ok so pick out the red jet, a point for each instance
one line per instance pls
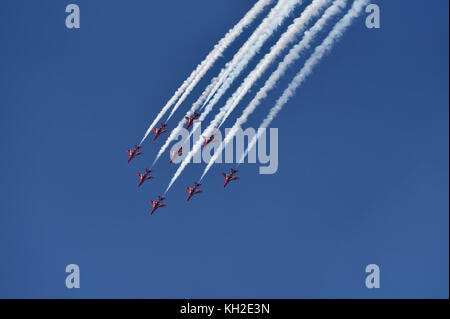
(230, 177)
(208, 140)
(159, 131)
(144, 176)
(191, 120)
(194, 190)
(176, 154)
(134, 152)
(157, 204)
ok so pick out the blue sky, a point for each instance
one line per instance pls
(363, 159)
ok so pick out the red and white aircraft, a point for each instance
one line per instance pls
(145, 176)
(159, 131)
(157, 204)
(208, 140)
(194, 190)
(176, 154)
(230, 177)
(134, 152)
(191, 120)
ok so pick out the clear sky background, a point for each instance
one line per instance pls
(363, 159)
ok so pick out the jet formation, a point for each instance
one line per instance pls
(134, 152)
(191, 120)
(144, 177)
(159, 131)
(208, 140)
(230, 177)
(174, 154)
(194, 190)
(157, 204)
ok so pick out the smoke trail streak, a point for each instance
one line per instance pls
(296, 28)
(265, 24)
(217, 51)
(234, 69)
(174, 133)
(199, 76)
(307, 69)
(286, 8)
(294, 54)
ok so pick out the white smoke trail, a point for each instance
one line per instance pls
(174, 133)
(234, 68)
(202, 72)
(296, 28)
(265, 24)
(217, 51)
(200, 75)
(281, 12)
(315, 58)
(294, 54)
